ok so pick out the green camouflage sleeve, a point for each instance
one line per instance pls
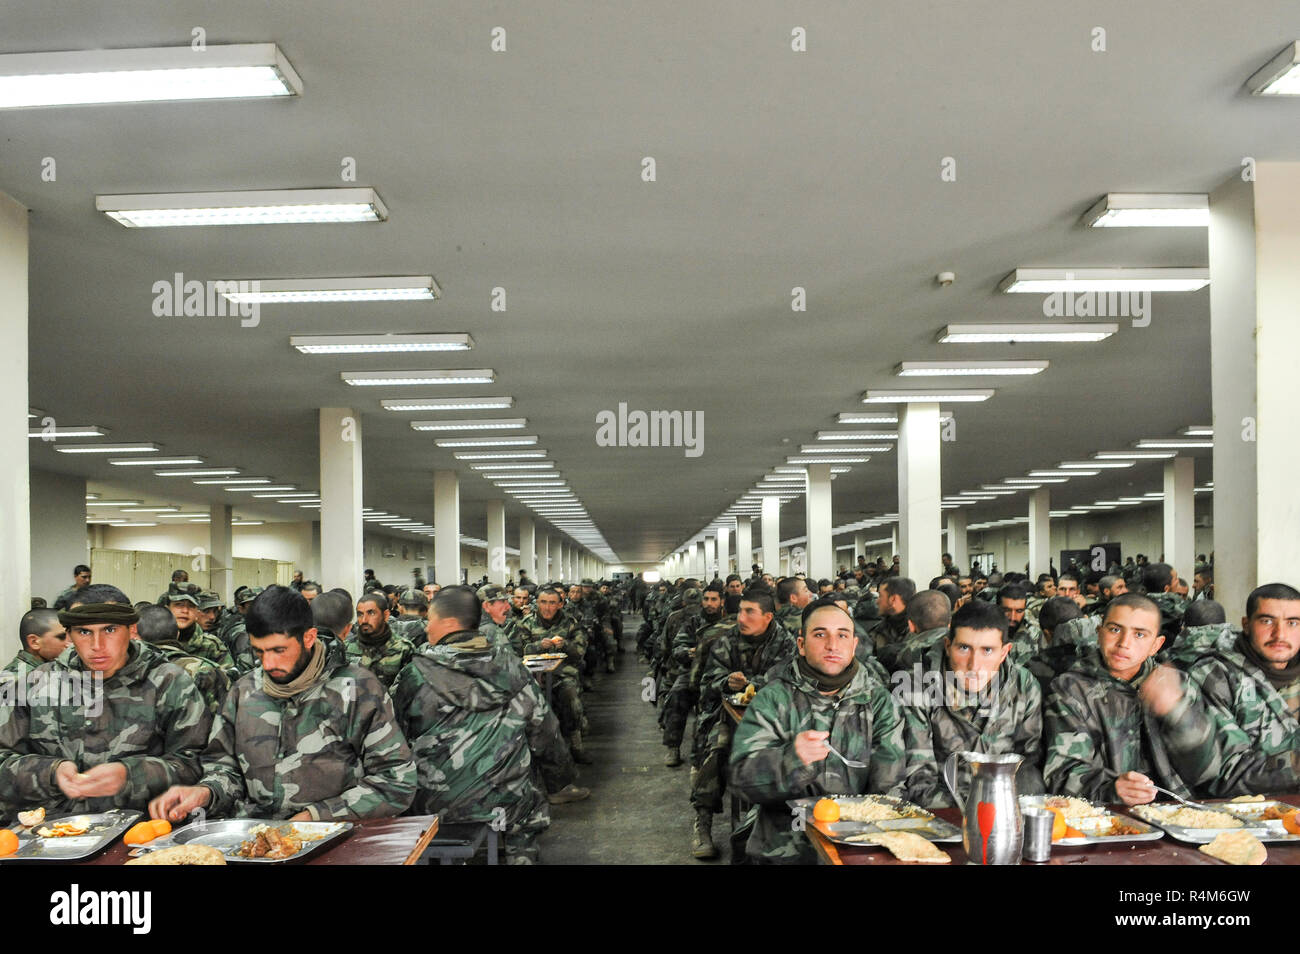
(549, 749)
(1074, 767)
(764, 766)
(221, 772)
(888, 772)
(1028, 737)
(183, 718)
(717, 668)
(923, 782)
(683, 643)
(575, 645)
(387, 785)
(26, 778)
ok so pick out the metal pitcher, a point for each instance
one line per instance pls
(992, 829)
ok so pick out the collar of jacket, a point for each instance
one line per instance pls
(138, 662)
(764, 635)
(858, 690)
(465, 640)
(375, 640)
(1091, 662)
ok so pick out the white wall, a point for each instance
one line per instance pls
(59, 541)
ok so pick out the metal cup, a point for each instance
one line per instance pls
(1038, 834)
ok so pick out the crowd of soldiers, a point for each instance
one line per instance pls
(411, 700)
(1106, 683)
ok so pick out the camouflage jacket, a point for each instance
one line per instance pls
(149, 717)
(507, 634)
(210, 679)
(705, 637)
(241, 651)
(887, 631)
(1096, 728)
(685, 644)
(385, 657)
(790, 618)
(662, 645)
(1069, 640)
(732, 652)
(1007, 718)
(1172, 607)
(414, 629)
(61, 601)
(909, 652)
(334, 750)
(25, 661)
(1026, 641)
(206, 646)
(864, 724)
(482, 734)
(533, 629)
(1197, 641)
(230, 621)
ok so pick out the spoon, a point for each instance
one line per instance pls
(849, 762)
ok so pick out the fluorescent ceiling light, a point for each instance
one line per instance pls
(1026, 334)
(532, 483)
(237, 490)
(1035, 480)
(1280, 76)
(268, 207)
(237, 480)
(995, 493)
(447, 404)
(1135, 455)
(310, 506)
(516, 475)
(880, 396)
(92, 496)
(1154, 495)
(115, 503)
(843, 449)
(489, 441)
(125, 523)
(857, 435)
(246, 523)
(1064, 473)
(205, 472)
(190, 515)
(267, 291)
(82, 77)
(141, 448)
(503, 455)
(508, 466)
(852, 417)
(797, 478)
(1094, 464)
(827, 460)
(156, 461)
(1175, 443)
(1149, 209)
(379, 344)
(150, 509)
(1039, 281)
(382, 378)
(305, 495)
(1203, 430)
(486, 424)
(917, 369)
(78, 430)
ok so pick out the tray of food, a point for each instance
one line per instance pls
(858, 819)
(743, 698)
(1281, 820)
(68, 837)
(1080, 823)
(1196, 826)
(253, 840)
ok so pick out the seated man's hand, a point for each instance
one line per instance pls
(1162, 690)
(737, 681)
(179, 802)
(68, 779)
(811, 746)
(1134, 788)
(103, 781)
(303, 816)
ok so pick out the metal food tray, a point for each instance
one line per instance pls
(226, 836)
(1203, 836)
(1249, 812)
(920, 822)
(1147, 831)
(103, 829)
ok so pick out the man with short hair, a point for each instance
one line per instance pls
(1068, 586)
(309, 737)
(157, 628)
(209, 607)
(1106, 739)
(1026, 636)
(819, 698)
(179, 581)
(968, 695)
(521, 599)
(80, 580)
(297, 582)
(375, 645)
(139, 729)
(482, 734)
(497, 624)
(548, 630)
(1160, 580)
(43, 638)
(891, 629)
(412, 616)
(928, 617)
(1053, 656)
(792, 595)
(184, 607)
(679, 699)
(735, 585)
(309, 590)
(241, 650)
(1203, 584)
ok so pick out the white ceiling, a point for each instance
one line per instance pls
(522, 170)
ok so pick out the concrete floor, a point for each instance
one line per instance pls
(639, 812)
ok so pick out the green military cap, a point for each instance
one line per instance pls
(239, 590)
(587, 582)
(413, 597)
(491, 592)
(184, 594)
(691, 595)
(250, 593)
(208, 599)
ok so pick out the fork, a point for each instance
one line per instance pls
(1174, 795)
(849, 762)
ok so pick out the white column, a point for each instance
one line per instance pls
(710, 559)
(557, 558)
(893, 543)
(1180, 515)
(817, 506)
(859, 547)
(528, 547)
(1040, 533)
(724, 552)
(340, 498)
(15, 482)
(573, 564)
(59, 533)
(498, 571)
(744, 546)
(1254, 243)
(220, 562)
(770, 529)
(957, 540)
(543, 558)
(919, 527)
(446, 526)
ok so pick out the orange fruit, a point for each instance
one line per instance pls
(8, 842)
(1058, 823)
(1290, 821)
(144, 831)
(161, 826)
(827, 810)
(1073, 833)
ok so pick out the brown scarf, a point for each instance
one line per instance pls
(303, 681)
(1277, 678)
(824, 682)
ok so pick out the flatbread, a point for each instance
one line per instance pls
(909, 846)
(1237, 848)
(181, 855)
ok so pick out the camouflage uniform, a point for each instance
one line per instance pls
(1197, 641)
(150, 718)
(1069, 640)
(1007, 718)
(481, 732)
(888, 631)
(864, 724)
(566, 685)
(1027, 641)
(414, 629)
(904, 655)
(241, 650)
(206, 646)
(680, 697)
(1096, 728)
(25, 660)
(334, 750)
(791, 618)
(384, 654)
(506, 634)
(1172, 608)
(210, 679)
